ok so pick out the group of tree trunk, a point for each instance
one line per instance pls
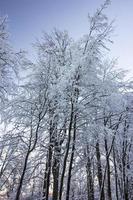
(66, 127)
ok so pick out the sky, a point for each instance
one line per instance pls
(28, 18)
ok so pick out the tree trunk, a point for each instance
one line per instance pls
(116, 175)
(47, 174)
(66, 154)
(124, 162)
(30, 149)
(99, 171)
(71, 159)
(55, 170)
(90, 185)
(108, 172)
(22, 177)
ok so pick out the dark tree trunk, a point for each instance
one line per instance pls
(99, 171)
(31, 147)
(45, 178)
(47, 174)
(90, 185)
(55, 170)
(22, 177)
(108, 172)
(116, 174)
(66, 154)
(124, 162)
(71, 159)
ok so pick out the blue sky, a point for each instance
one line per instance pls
(28, 18)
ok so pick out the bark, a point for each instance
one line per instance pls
(66, 154)
(90, 185)
(31, 147)
(116, 174)
(47, 174)
(71, 160)
(55, 170)
(108, 172)
(124, 162)
(99, 171)
(22, 177)
(124, 158)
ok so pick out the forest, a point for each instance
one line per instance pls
(66, 118)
